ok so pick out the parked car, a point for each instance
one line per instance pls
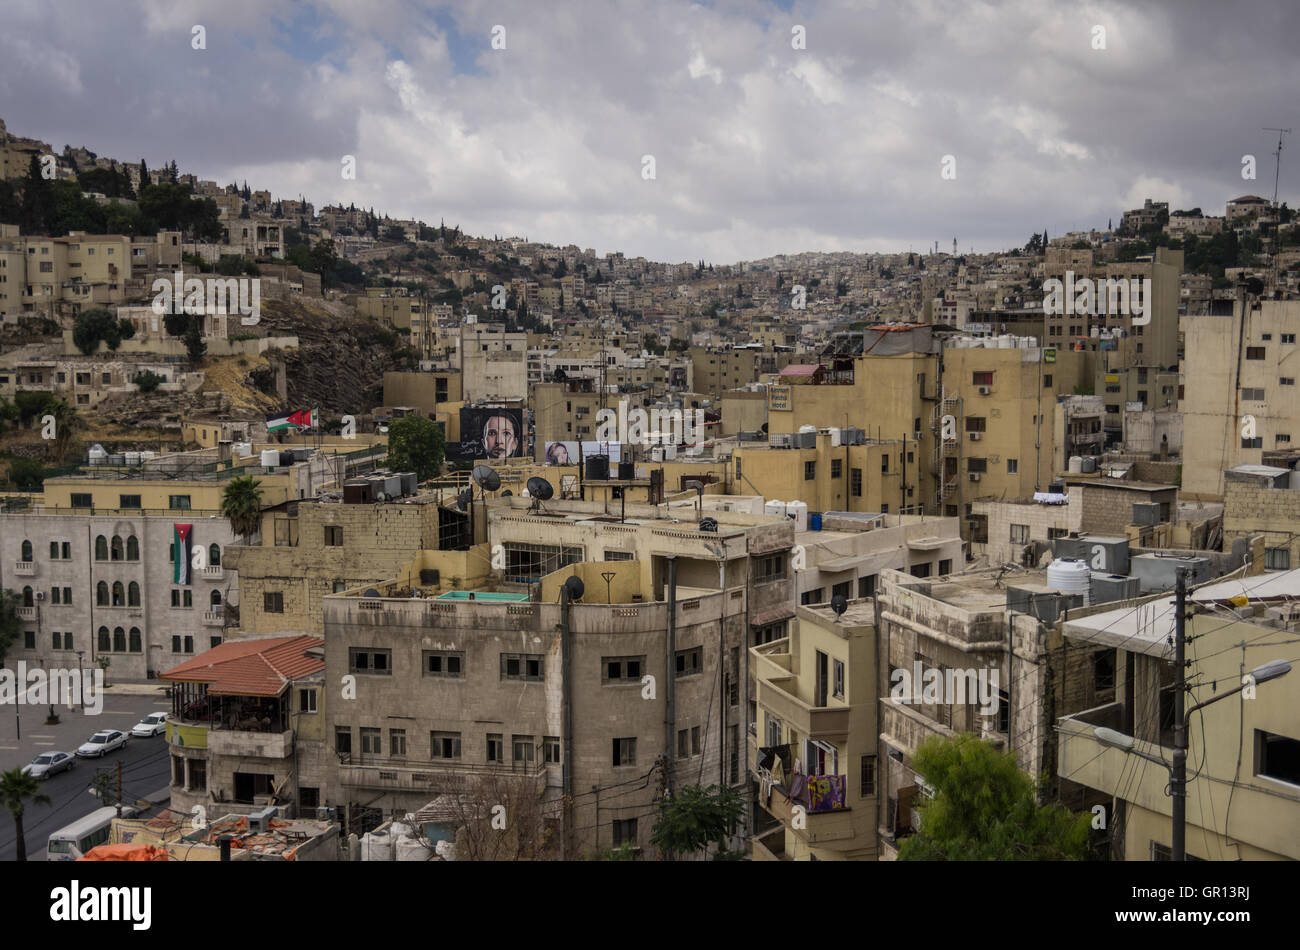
(49, 763)
(102, 742)
(154, 724)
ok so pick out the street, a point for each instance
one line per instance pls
(144, 762)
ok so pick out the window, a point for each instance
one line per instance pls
(333, 536)
(1004, 712)
(128, 501)
(843, 589)
(945, 566)
(306, 700)
(133, 548)
(495, 748)
(397, 743)
(1283, 437)
(1013, 466)
(817, 596)
(621, 669)
(837, 468)
(214, 555)
(769, 568)
(1047, 381)
(884, 463)
(809, 471)
(523, 750)
(625, 751)
(179, 502)
(867, 777)
(442, 745)
(101, 548)
(551, 749)
(444, 663)
(29, 639)
(1254, 352)
(688, 661)
(1020, 534)
(119, 640)
(1277, 757)
(133, 594)
(1103, 670)
(119, 594)
(867, 586)
(58, 640)
(137, 645)
(1255, 443)
(1288, 338)
(855, 482)
(624, 831)
(976, 424)
(272, 603)
(522, 666)
(181, 598)
(214, 599)
(688, 742)
(769, 632)
(619, 556)
(104, 643)
(343, 740)
(920, 570)
(1286, 381)
(1277, 559)
(367, 660)
(1252, 395)
(837, 679)
(214, 642)
(27, 553)
(372, 741)
(977, 465)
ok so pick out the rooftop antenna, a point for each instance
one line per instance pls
(1277, 165)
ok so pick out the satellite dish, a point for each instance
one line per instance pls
(465, 499)
(695, 485)
(507, 493)
(839, 604)
(370, 592)
(709, 524)
(575, 587)
(486, 477)
(540, 489)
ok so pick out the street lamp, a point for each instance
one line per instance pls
(81, 681)
(1113, 739)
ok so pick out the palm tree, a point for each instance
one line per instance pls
(241, 502)
(15, 789)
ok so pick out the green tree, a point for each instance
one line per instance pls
(26, 475)
(195, 348)
(241, 504)
(984, 809)
(324, 259)
(10, 625)
(415, 444)
(94, 325)
(148, 381)
(696, 817)
(16, 789)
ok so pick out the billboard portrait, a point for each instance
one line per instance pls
(568, 453)
(489, 434)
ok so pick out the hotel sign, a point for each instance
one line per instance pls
(778, 399)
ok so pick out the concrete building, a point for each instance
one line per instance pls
(1263, 500)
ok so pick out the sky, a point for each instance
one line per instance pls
(758, 147)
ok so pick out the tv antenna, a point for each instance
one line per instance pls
(1277, 165)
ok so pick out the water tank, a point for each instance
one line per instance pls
(242, 449)
(597, 468)
(132, 458)
(287, 459)
(1089, 464)
(393, 486)
(411, 849)
(147, 456)
(670, 452)
(1076, 464)
(270, 458)
(117, 461)
(97, 454)
(410, 483)
(377, 846)
(798, 510)
(1070, 576)
(815, 521)
(812, 429)
(626, 471)
(774, 509)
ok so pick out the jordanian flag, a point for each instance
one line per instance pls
(181, 563)
(303, 419)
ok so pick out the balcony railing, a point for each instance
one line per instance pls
(26, 613)
(213, 572)
(437, 775)
(25, 568)
(214, 618)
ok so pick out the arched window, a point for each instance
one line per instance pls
(215, 598)
(101, 594)
(104, 643)
(27, 551)
(214, 555)
(132, 548)
(27, 597)
(133, 594)
(101, 548)
(119, 595)
(117, 548)
(119, 640)
(135, 640)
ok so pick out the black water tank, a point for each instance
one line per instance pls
(597, 468)
(626, 471)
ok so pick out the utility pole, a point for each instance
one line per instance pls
(1178, 775)
(1277, 165)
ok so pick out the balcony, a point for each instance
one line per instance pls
(263, 745)
(25, 568)
(214, 618)
(819, 827)
(828, 723)
(435, 777)
(26, 613)
(770, 845)
(213, 572)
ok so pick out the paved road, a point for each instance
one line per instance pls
(145, 767)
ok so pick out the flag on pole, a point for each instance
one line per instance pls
(181, 557)
(302, 419)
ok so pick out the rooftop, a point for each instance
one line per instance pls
(262, 667)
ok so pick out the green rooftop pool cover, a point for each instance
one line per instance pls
(487, 597)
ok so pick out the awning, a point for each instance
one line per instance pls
(775, 615)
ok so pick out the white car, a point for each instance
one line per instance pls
(49, 763)
(154, 724)
(102, 742)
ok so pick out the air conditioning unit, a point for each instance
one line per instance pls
(324, 813)
(40, 596)
(975, 476)
(975, 436)
(985, 390)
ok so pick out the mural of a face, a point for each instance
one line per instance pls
(558, 454)
(499, 437)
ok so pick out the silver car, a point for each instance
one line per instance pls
(153, 724)
(49, 763)
(102, 742)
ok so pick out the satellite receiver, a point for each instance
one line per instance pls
(575, 587)
(370, 592)
(507, 493)
(839, 604)
(540, 489)
(486, 477)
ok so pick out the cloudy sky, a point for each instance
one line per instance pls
(758, 148)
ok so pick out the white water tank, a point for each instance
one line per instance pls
(147, 456)
(377, 846)
(97, 454)
(798, 510)
(1070, 576)
(774, 509)
(242, 449)
(408, 848)
(1076, 464)
(132, 458)
(270, 458)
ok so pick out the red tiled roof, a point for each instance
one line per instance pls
(801, 369)
(251, 667)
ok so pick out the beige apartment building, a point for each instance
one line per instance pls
(47, 276)
(1238, 395)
